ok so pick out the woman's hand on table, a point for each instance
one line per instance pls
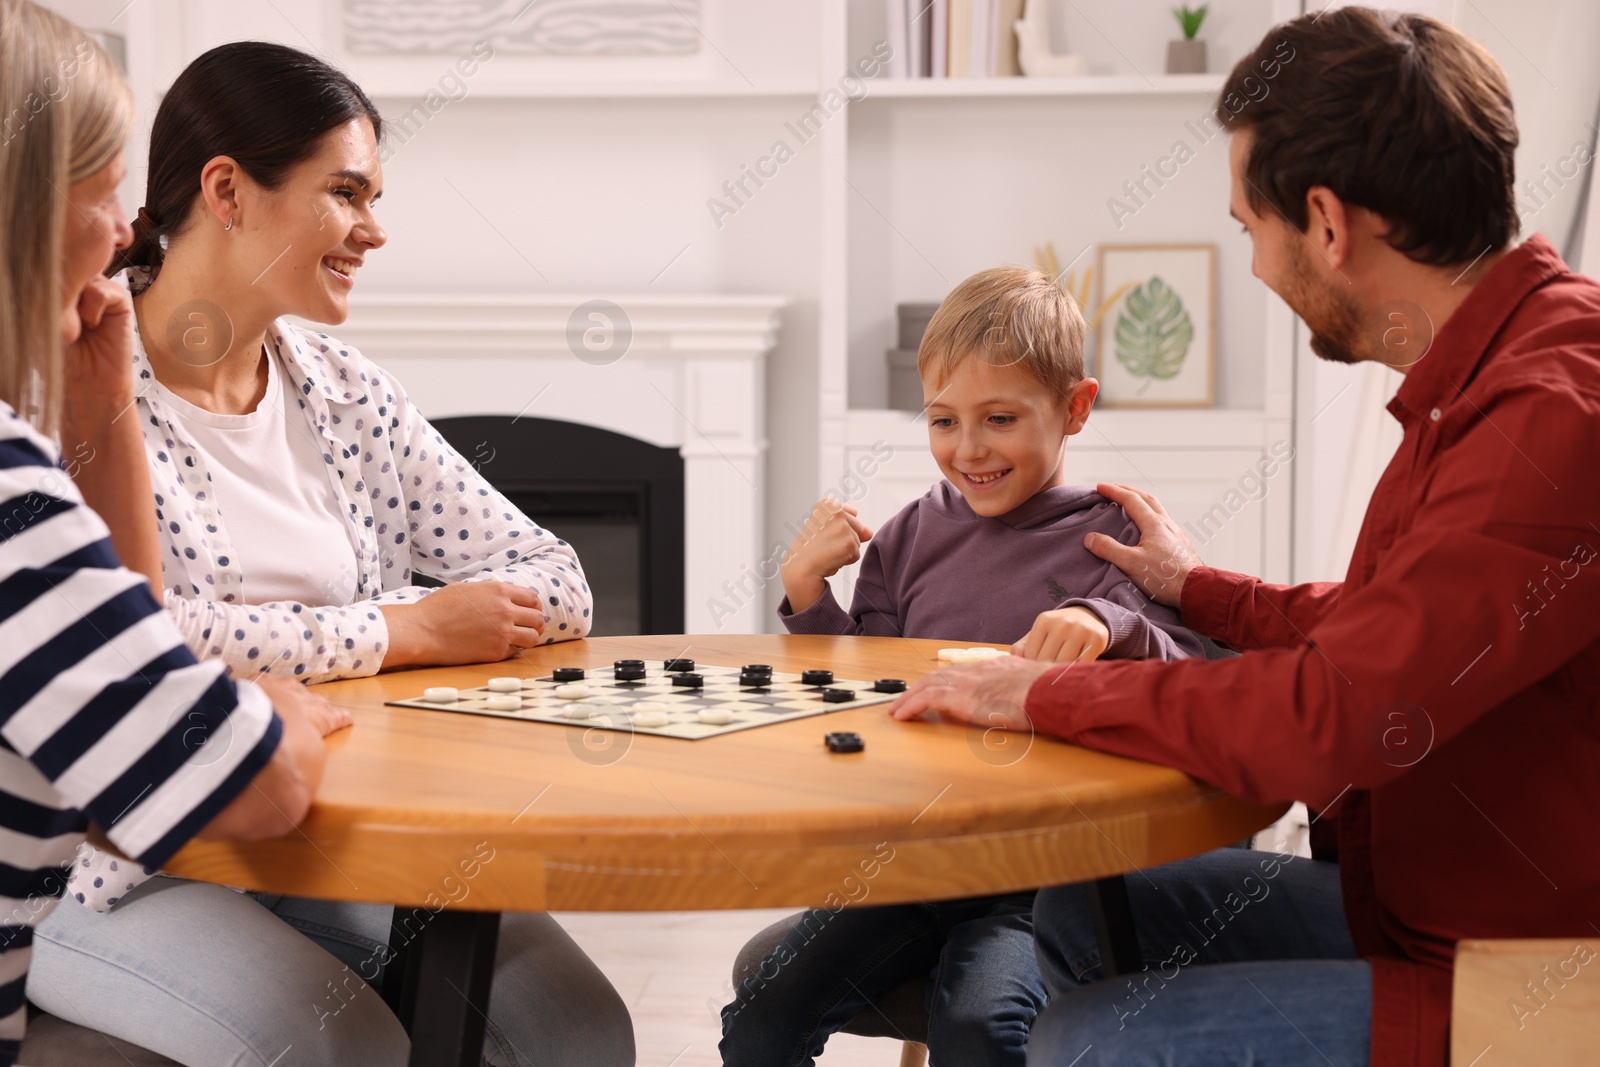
(1160, 563)
(990, 692)
(291, 699)
(464, 622)
(281, 794)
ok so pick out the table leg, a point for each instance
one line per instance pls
(1114, 926)
(444, 998)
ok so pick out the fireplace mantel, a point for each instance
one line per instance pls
(664, 326)
(693, 377)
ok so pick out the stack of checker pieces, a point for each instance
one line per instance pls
(675, 699)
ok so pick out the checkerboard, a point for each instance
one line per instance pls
(608, 704)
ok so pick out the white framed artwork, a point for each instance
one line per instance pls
(1155, 344)
(522, 27)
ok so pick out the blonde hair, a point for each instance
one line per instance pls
(65, 111)
(1007, 316)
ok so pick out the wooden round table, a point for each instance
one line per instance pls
(456, 817)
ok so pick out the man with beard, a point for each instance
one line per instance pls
(1438, 707)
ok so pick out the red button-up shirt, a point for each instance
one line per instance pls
(1444, 698)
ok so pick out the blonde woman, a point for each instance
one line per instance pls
(93, 676)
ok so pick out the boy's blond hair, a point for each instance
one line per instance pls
(1007, 316)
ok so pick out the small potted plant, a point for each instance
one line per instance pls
(1188, 56)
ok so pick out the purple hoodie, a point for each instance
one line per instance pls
(939, 569)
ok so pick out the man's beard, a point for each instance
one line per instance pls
(1327, 310)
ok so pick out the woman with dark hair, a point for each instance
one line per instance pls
(297, 489)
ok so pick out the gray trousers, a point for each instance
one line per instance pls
(213, 978)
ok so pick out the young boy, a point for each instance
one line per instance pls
(994, 553)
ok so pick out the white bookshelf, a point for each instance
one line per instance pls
(1088, 85)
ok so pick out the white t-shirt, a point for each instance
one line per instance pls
(270, 481)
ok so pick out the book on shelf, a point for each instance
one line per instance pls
(953, 38)
(959, 63)
(1003, 51)
(899, 41)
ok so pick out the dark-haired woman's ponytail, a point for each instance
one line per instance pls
(144, 250)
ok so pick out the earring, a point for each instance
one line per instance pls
(229, 226)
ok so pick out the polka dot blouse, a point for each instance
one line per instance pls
(413, 503)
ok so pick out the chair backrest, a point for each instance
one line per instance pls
(1535, 1003)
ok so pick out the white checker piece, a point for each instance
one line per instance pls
(609, 703)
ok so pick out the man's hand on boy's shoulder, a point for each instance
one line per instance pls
(831, 539)
(1160, 563)
(1065, 635)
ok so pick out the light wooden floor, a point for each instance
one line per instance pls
(673, 969)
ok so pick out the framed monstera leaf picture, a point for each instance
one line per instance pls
(1155, 342)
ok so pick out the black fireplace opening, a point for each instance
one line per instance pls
(617, 500)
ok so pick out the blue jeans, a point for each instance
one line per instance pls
(984, 985)
(1248, 961)
(207, 976)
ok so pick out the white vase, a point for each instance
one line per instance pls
(1033, 46)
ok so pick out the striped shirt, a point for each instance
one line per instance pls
(104, 713)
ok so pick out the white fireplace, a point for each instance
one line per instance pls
(692, 377)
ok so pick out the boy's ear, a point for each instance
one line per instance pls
(1079, 402)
